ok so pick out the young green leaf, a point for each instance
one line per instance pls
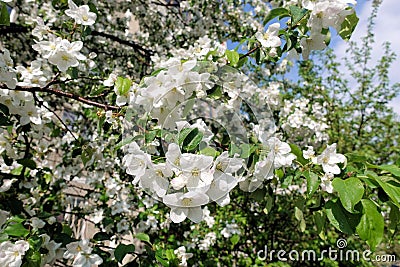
(312, 182)
(123, 85)
(232, 56)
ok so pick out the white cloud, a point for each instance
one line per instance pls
(386, 29)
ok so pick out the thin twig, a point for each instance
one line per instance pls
(56, 92)
(250, 52)
(62, 122)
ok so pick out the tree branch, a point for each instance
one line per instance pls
(250, 52)
(124, 42)
(47, 89)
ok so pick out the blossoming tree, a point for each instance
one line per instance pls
(132, 135)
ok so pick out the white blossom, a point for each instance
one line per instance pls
(80, 14)
(329, 159)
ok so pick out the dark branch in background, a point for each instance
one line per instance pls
(124, 42)
(56, 92)
(13, 28)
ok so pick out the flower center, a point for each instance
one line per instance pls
(195, 172)
(187, 201)
(65, 57)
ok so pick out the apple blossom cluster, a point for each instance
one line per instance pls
(56, 50)
(305, 120)
(7, 72)
(183, 256)
(230, 229)
(329, 160)
(11, 254)
(324, 14)
(23, 104)
(270, 39)
(80, 14)
(60, 52)
(202, 178)
(80, 253)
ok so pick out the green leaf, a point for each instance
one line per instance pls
(391, 188)
(287, 180)
(350, 192)
(232, 56)
(169, 253)
(97, 90)
(87, 154)
(371, 225)
(348, 26)
(35, 242)
(312, 182)
(246, 150)
(160, 258)
(183, 134)
(393, 169)
(16, 229)
(394, 218)
(3, 237)
(73, 72)
(123, 85)
(259, 194)
(149, 136)
(93, 8)
(354, 157)
(194, 142)
(268, 204)
(319, 219)
(124, 142)
(234, 239)
(209, 151)
(33, 258)
(121, 250)
(340, 218)
(100, 236)
(4, 109)
(297, 13)
(143, 237)
(154, 73)
(298, 213)
(241, 62)
(298, 153)
(277, 12)
(4, 16)
(27, 163)
(4, 121)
